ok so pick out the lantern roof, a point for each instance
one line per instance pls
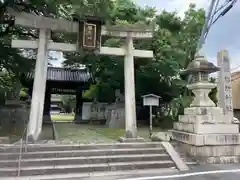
(200, 64)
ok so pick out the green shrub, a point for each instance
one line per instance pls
(23, 95)
(164, 122)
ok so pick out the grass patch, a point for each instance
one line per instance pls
(80, 133)
(96, 133)
(62, 117)
(115, 133)
(111, 133)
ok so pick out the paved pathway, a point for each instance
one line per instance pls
(47, 132)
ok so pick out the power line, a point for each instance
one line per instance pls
(213, 10)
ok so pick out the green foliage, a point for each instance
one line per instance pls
(15, 61)
(67, 101)
(213, 93)
(159, 76)
(9, 85)
(23, 95)
(165, 122)
(174, 44)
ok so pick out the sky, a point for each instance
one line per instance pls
(223, 35)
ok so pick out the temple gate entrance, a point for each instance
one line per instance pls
(62, 81)
(88, 32)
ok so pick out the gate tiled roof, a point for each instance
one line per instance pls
(66, 74)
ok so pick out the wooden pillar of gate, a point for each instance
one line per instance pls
(47, 107)
(79, 105)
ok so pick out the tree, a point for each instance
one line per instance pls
(160, 76)
(13, 62)
(67, 102)
(174, 44)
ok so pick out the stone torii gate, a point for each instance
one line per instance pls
(89, 37)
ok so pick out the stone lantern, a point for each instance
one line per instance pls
(200, 69)
(204, 131)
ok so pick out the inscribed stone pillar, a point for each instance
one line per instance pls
(79, 104)
(224, 84)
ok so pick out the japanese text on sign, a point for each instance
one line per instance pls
(89, 36)
(224, 83)
(227, 85)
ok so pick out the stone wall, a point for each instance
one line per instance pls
(103, 111)
(114, 114)
(98, 111)
(86, 111)
(13, 120)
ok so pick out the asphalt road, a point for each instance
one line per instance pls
(199, 172)
(196, 173)
(193, 172)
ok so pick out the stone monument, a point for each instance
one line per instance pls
(224, 83)
(116, 115)
(204, 131)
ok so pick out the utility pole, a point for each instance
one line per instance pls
(206, 25)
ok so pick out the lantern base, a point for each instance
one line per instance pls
(215, 149)
(208, 135)
(201, 91)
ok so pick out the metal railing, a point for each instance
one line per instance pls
(21, 149)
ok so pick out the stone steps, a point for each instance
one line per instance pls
(76, 153)
(85, 160)
(110, 175)
(78, 168)
(72, 159)
(54, 147)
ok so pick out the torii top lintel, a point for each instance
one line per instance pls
(60, 25)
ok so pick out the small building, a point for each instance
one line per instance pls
(235, 78)
(62, 81)
(56, 103)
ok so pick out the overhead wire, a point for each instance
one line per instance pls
(213, 10)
